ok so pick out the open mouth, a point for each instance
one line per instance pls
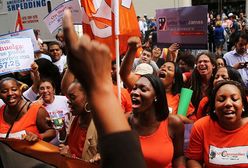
(135, 103)
(144, 61)
(11, 100)
(162, 74)
(229, 114)
(203, 68)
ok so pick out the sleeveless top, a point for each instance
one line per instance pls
(158, 147)
(76, 138)
(27, 122)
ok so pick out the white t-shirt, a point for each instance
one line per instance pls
(61, 63)
(58, 108)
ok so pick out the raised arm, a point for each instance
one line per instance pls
(90, 62)
(126, 74)
(35, 75)
(173, 52)
(31, 93)
(67, 79)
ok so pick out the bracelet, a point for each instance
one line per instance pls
(62, 141)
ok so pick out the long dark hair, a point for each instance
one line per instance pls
(196, 82)
(178, 79)
(161, 106)
(233, 75)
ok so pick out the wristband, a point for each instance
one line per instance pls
(62, 141)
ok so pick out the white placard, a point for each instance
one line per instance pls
(16, 135)
(28, 33)
(16, 54)
(54, 19)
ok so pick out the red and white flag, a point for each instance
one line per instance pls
(99, 22)
(19, 24)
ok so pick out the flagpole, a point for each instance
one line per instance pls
(118, 67)
(117, 44)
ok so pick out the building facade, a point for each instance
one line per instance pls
(149, 7)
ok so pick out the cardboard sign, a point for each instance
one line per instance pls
(28, 33)
(186, 26)
(16, 54)
(54, 19)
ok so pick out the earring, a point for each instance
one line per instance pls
(155, 99)
(87, 109)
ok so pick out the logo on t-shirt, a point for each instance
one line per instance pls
(212, 154)
(229, 155)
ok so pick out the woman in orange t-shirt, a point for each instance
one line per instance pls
(222, 73)
(161, 135)
(18, 115)
(221, 140)
(169, 73)
(171, 76)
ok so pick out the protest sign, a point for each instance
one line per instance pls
(16, 54)
(28, 33)
(186, 26)
(54, 19)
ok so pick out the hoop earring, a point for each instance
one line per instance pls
(87, 109)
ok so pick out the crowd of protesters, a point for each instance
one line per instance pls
(69, 99)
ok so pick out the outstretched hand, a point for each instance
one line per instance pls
(89, 60)
(174, 47)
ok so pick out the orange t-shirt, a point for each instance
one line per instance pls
(126, 101)
(27, 122)
(216, 146)
(76, 138)
(173, 102)
(203, 102)
(158, 147)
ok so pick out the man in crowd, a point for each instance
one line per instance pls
(145, 57)
(56, 54)
(238, 58)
